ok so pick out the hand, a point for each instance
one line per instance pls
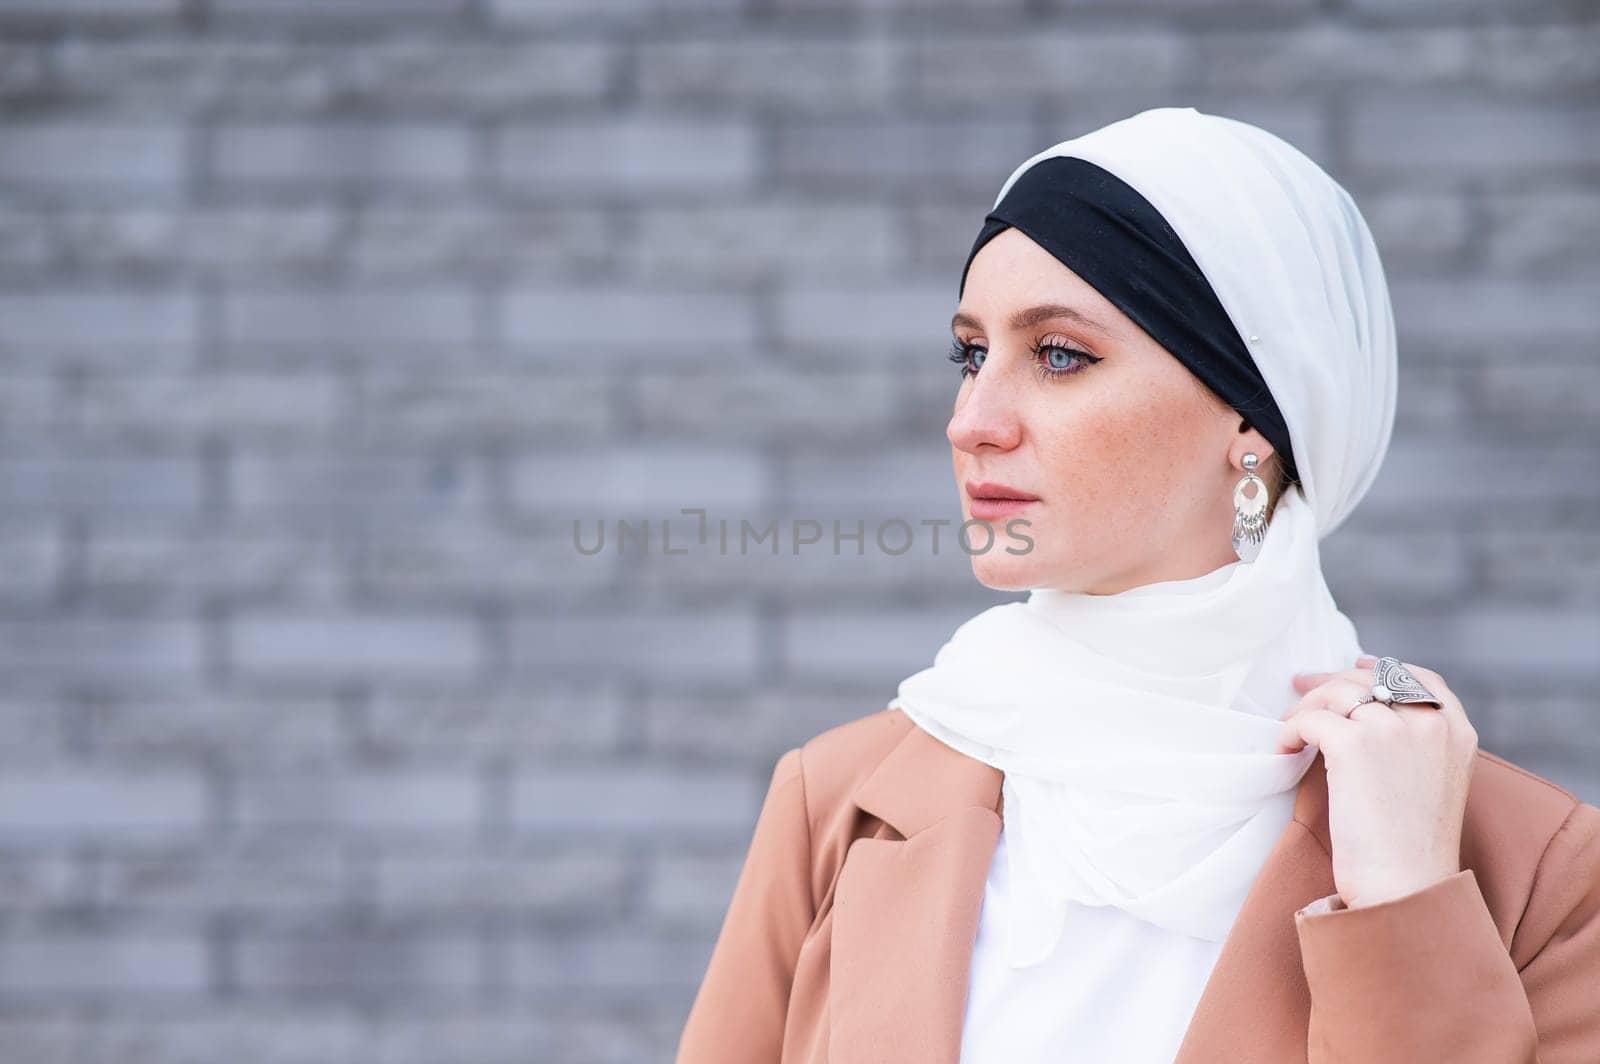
(1397, 779)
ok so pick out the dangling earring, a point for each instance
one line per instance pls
(1249, 514)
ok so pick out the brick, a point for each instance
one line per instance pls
(34, 557)
(294, 482)
(79, 9)
(1541, 564)
(260, 1033)
(31, 728)
(637, 481)
(883, 154)
(405, 75)
(47, 879)
(965, 69)
(881, 646)
(233, 727)
(783, 240)
(119, 325)
(910, 482)
(556, 887)
(348, 966)
(1420, 228)
(1429, 475)
(767, 70)
(341, 645)
(795, 555)
(82, 155)
(98, 650)
(485, 78)
(156, 560)
(488, 1034)
(729, 726)
(190, 407)
(831, 326)
(104, 963)
(468, 726)
(377, 318)
(228, 877)
(339, 153)
(29, 240)
(615, 14)
(429, 239)
(251, 239)
(1422, 138)
(611, 964)
(350, 11)
(544, 323)
(1569, 58)
(512, 406)
(721, 644)
(100, 800)
(1493, 639)
(692, 892)
(45, 1039)
(849, 9)
(413, 801)
(1372, 565)
(632, 798)
(102, 483)
(1554, 398)
(1323, 57)
(658, 153)
(1473, 317)
(431, 561)
(1550, 233)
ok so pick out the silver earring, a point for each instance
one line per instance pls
(1249, 514)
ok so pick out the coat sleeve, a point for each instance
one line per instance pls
(739, 1012)
(1425, 976)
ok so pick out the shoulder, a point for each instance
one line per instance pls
(837, 761)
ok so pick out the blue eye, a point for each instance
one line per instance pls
(968, 357)
(1053, 360)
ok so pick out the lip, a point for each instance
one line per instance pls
(990, 501)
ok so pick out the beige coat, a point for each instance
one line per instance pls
(849, 937)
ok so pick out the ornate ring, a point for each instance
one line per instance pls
(1393, 683)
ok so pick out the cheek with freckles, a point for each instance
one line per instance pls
(1120, 458)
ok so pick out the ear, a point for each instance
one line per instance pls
(1251, 441)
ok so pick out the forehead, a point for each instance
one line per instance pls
(1013, 283)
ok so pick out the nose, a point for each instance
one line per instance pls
(987, 412)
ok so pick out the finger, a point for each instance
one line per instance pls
(1312, 727)
(1305, 681)
(1337, 695)
(1372, 711)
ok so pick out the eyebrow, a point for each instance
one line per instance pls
(1034, 315)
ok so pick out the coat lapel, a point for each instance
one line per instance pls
(906, 911)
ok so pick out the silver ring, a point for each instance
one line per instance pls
(1393, 683)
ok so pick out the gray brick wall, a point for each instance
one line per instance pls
(319, 742)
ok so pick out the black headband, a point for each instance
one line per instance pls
(1111, 236)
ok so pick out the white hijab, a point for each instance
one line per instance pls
(1136, 731)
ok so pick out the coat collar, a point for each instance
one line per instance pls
(906, 916)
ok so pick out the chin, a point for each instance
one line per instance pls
(1007, 572)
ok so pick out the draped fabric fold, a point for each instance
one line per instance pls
(1137, 731)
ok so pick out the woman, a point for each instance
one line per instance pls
(1165, 808)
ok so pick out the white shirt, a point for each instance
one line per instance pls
(1115, 988)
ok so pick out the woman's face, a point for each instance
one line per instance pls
(1132, 459)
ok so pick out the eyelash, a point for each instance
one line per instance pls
(961, 355)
